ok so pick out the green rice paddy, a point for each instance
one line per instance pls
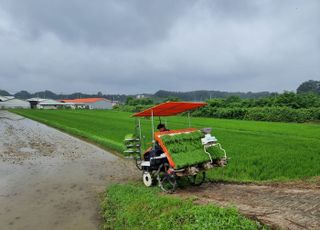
(259, 151)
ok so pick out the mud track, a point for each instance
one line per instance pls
(50, 180)
(284, 207)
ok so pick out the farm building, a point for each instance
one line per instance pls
(9, 102)
(40, 103)
(92, 103)
(34, 102)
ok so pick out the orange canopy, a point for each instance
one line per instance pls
(169, 109)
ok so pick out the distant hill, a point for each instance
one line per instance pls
(49, 94)
(4, 93)
(202, 95)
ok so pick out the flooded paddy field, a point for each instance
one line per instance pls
(50, 180)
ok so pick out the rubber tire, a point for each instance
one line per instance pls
(147, 179)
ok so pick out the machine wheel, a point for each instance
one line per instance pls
(197, 179)
(138, 163)
(166, 178)
(147, 179)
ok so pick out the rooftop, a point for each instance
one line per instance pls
(84, 100)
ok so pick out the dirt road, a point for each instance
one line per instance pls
(282, 206)
(50, 180)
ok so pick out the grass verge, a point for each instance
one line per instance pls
(136, 207)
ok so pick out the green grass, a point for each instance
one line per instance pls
(138, 207)
(259, 151)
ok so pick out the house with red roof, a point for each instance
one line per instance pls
(90, 103)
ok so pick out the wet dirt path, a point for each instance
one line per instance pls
(50, 180)
(285, 207)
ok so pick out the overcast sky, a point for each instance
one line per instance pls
(137, 46)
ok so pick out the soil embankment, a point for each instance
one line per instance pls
(284, 207)
(50, 180)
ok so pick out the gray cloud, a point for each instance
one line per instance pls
(106, 23)
(142, 46)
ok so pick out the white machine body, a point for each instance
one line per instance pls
(208, 140)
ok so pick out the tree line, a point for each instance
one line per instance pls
(286, 107)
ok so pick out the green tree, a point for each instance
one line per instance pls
(129, 100)
(309, 86)
(232, 99)
(287, 99)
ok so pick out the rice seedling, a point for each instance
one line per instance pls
(186, 149)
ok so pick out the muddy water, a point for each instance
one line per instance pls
(50, 180)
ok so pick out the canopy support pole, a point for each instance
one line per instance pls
(152, 124)
(140, 135)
